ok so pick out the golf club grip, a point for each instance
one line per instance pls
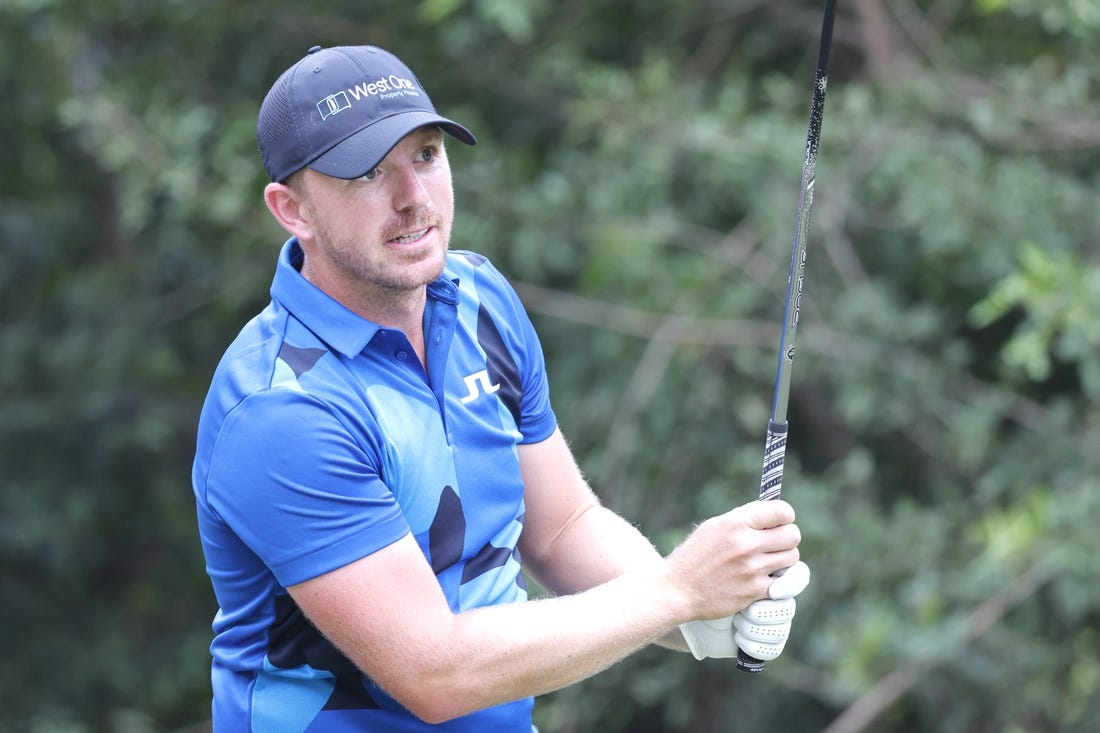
(771, 485)
(749, 664)
(775, 453)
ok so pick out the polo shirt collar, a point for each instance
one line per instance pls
(340, 328)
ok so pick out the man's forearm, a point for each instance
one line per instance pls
(599, 546)
(542, 645)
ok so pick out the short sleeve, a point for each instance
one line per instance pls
(537, 420)
(291, 480)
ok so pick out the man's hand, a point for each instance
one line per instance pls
(761, 629)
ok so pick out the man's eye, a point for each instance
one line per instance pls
(427, 154)
(370, 175)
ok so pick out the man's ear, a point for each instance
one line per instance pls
(288, 208)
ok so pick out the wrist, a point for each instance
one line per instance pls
(680, 602)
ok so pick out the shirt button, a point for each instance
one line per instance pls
(402, 355)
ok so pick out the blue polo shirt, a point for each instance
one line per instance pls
(322, 440)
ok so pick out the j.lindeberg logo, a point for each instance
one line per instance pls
(477, 384)
(384, 87)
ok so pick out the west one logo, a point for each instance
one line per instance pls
(384, 87)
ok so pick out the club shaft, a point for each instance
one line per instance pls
(796, 276)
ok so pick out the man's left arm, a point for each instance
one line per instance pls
(571, 542)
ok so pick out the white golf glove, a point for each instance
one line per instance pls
(761, 629)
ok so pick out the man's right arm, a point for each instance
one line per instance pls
(387, 613)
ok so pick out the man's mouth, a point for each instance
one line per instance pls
(411, 236)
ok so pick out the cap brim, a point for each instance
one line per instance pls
(365, 149)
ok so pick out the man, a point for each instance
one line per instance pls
(378, 462)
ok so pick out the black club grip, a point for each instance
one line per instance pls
(771, 484)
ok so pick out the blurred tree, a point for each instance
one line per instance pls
(636, 174)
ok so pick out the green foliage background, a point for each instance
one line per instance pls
(636, 176)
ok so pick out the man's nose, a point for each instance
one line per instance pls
(409, 190)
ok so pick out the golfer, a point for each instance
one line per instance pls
(379, 465)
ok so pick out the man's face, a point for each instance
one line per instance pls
(387, 232)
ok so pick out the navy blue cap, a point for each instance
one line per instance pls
(341, 110)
